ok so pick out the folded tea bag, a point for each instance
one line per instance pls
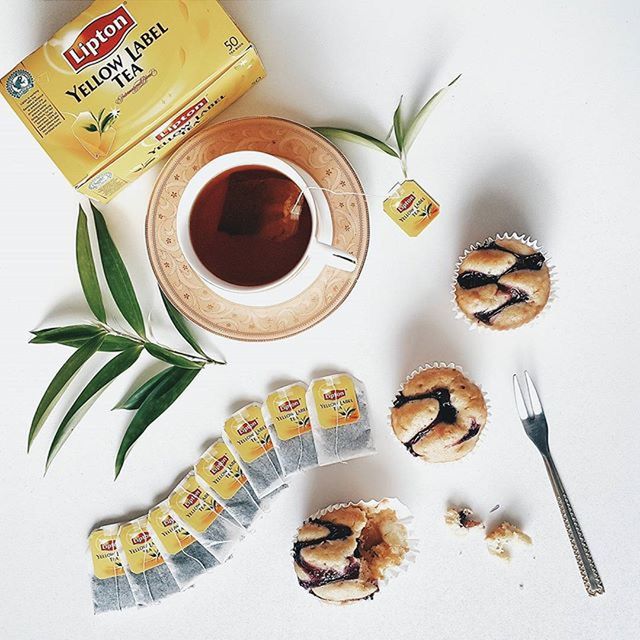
(185, 556)
(339, 418)
(247, 434)
(150, 578)
(287, 417)
(218, 471)
(204, 518)
(109, 585)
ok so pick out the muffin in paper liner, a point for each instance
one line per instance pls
(360, 579)
(532, 244)
(480, 437)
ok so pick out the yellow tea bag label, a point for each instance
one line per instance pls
(335, 401)
(106, 563)
(194, 505)
(220, 470)
(410, 207)
(173, 536)
(288, 410)
(139, 549)
(248, 433)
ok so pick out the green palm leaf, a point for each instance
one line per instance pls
(166, 355)
(183, 329)
(138, 396)
(75, 334)
(117, 365)
(59, 383)
(87, 268)
(154, 405)
(117, 276)
(358, 137)
(418, 122)
(397, 126)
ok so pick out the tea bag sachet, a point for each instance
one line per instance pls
(287, 417)
(218, 471)
(339, 418)
(207, 520)
(185, 556)
(110, 588)
(246, 432)
(150, 578)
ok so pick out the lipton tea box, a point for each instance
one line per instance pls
(121, 86)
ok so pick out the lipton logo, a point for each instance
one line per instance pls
(219, 464)
(248, 426)
(99, 39)
(141, 538)
(168, 521)
(181, 119)
(192, 498)
(288, 405)
(109, 545)
(406, 202)
(335, 394)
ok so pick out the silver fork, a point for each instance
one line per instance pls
(535, 426)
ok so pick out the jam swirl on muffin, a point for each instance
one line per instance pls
(502, 284)
(439, 414)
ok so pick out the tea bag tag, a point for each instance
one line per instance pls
(410, 207)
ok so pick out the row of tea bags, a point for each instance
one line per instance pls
(233, 482)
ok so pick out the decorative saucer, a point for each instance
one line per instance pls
(231, 316)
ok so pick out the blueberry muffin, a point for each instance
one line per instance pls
(341, 556)
(439, 414)
(502, 284)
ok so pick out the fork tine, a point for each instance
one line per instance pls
(536, 405)
(520, 403)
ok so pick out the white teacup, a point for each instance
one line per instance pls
(316, 252)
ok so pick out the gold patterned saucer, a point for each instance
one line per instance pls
(206, 307)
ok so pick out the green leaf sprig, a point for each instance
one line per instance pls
(154, 396)
(405, 134)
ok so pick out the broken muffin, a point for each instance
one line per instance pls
(342, 553)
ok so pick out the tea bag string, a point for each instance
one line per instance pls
(229, 474)
(263, 445)
(336, 449)
(175, 531)
(296, 209)
(298, 429)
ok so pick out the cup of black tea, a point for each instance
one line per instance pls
(247, 221)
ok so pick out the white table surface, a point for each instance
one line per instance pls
(540, 136)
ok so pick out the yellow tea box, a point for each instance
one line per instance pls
(121, 85)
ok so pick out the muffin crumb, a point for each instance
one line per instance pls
(499, 539)
(461, 519)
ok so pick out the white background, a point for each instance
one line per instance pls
(540, 136)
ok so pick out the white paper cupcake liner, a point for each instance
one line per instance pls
(530, 242)
(481, 436)
(404, 516)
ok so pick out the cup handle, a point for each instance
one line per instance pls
(334, 257)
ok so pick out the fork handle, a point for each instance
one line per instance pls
(590, 576)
